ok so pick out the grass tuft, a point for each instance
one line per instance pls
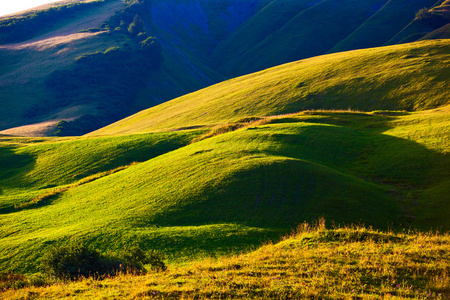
(229, 127)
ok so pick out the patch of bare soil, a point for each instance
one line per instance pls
(69, 32)
(46, 128)
(33, 130)
(44, 44)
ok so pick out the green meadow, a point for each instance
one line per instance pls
(229, 191)
(359, 137)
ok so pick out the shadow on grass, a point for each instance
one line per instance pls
(13, 166)
(350, 173)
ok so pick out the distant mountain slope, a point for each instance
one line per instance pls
(193, 44)
(307, 34)
(427, 21)
(441, 33)
(379, 28)
(403, 77)
(257, 28)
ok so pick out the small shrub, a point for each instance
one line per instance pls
(134, 258)
(432, 18)
(156, 260)
(423, 14)
(136, 27)
(39, 280)
(72, 262)
(12, 281)
(142, 36)
(91, 30)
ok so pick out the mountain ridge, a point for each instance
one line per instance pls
(284, 92)
(201, 45)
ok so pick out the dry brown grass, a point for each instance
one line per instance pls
(47, 128)
(313, 263)
(69, 32)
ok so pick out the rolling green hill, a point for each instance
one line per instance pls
(404, 77)
(231, 166)
(188, 46)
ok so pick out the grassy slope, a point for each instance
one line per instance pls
(430, 130)
(267, 20)
(31, 167)
(306, 35)
(21, 87)
(365, 80)
(441, 33)
(238, 189)
(418, 29)
(26, 66)
(383, 25)
(314, 263)
(241, 188)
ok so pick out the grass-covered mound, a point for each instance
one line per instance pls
(227, 192)
(405, 77)
(35, 167)
(313, 263)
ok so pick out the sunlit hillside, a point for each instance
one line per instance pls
(73, 67)
(405, 77)
(313, 263)
(207, 179)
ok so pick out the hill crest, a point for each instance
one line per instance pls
(364, 80)
(201, 43)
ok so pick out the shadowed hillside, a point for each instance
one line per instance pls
(428, 24)
(154, 51)
(404, 77)
(378, 29)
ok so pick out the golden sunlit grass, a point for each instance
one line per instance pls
(386, 78)
(314, 263)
